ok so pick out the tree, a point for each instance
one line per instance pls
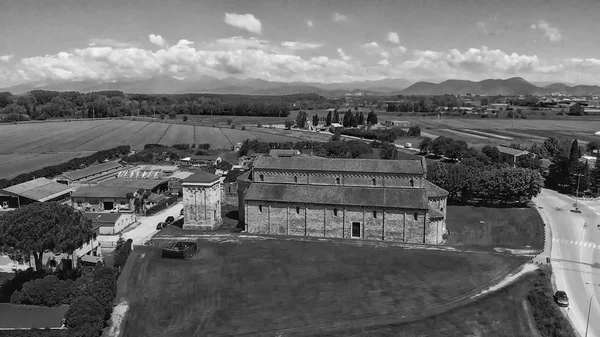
(288, 124)
(224, 165)
(574, 154)
(301, 119)
(438, 146)
(347, 116)
(315, 120)
(328, 119)
(337, 136)
(576, 109)
(595, 178)
(37, 227)
(516, 146)
(414, 131)
(388, 151)
(361, 119)
(492, 153)
(358, 148)
(336, 116)
(551, 147)
(456, 149)
(354, 120)
(372, 118)
(529, 161)
(85, 311)
(426, 145)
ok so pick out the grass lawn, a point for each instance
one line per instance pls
(519, 228)
(263, 287)
(6, 276)
(501, 314)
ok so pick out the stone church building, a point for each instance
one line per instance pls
(201, 201)
(343, 198)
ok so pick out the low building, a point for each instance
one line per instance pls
(89, 253)
(92, 174)
(202, 195)
(200, 160)
(111, 223)
(102, 198)
(399, 124)
(510, 155)
(36, 190)
(154, 185)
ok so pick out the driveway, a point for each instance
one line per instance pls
(146, 226)
(575, 255)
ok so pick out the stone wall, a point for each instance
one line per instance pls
(202, 206)
(322, 221)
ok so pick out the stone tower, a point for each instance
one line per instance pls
(201, 201)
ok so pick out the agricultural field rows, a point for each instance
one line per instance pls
(35, 145)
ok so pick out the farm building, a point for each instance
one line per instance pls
(92, 174)
(202, 195)
(153, 185)
(40, 189)
(510, 155)
(111, 223)
(400, 124)
(199, 160)
(175, 182)
(341, 198)
(284, 153)
(101, 198)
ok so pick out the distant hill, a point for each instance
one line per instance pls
(253, 86)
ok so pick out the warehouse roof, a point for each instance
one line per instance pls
(40, 189)
(412, 198)
(92, 170)
(98, 191)
(133, 184)
(409, 166)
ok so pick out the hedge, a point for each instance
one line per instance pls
(73, 164)
(161, 205)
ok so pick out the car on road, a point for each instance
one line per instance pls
(169, 219)
(561, 298)
(160, 226)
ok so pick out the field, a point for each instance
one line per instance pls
(266, 287)
(28, 316)
(515, 228)
(35, 145)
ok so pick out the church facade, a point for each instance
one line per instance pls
(386, 200)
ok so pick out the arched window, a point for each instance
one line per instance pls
(260, 208)
(335, 212)
(337, 181)
(374, 214)
(374, 182)
(295, 179)
(262, 177)
(297, 210)
(442, 209)
(416, 216)
(412, 183)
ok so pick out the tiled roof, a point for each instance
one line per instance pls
(415, 166)
(511, 151)
(40, 189)
(98, 191)
(92, 170)
(133, 184)
(435, 214)
(412, 198)
(103, 217)
(201, 177)
(434, 191)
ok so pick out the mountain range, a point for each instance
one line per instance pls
(252, 86)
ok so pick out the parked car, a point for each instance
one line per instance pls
(181, 213)
(169, 219)
(561, 298)
(160, 226)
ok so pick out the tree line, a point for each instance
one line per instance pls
(43, 104)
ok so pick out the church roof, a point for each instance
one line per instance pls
(433, 190)
(411, 198)
(410, 166)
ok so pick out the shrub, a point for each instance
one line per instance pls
(48, 291)
(86, 315)
(233, 126)
(8, 287)
(243, 127)
(185, 118)
(204, 146)
(229, 121)
(181, 146)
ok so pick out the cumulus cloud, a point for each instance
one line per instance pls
(393, 37)
(239, 42)
(343, 55)
(398, 50)
(157, 40)
(6, 58)
(309, 23)
(244, 21)
(184, 42)
(295, 45)
(110, 42)
(337, 17)
(373, 48)
(551, 33)
(384, 62)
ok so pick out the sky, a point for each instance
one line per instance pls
(299, 41)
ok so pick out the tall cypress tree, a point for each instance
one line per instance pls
(328, 120)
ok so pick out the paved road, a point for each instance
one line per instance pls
(575, 255)
(147, 225)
